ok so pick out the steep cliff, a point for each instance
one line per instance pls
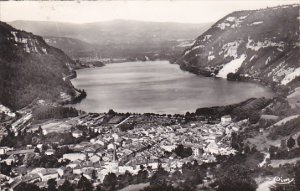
(31, 69)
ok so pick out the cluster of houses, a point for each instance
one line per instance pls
(116, 151)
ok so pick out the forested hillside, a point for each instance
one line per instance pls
(31, 69)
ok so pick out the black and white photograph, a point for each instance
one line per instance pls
(151, 95)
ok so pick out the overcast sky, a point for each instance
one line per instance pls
(91, 11)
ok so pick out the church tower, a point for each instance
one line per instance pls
(114, 164)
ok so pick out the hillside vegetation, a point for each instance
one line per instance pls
(260, 45)
(31, 69)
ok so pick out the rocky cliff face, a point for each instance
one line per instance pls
(260, 45)
(31, 69)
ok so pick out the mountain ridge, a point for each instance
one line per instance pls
(31, 69)
(120, 38)
(49, 28)
(258, 45)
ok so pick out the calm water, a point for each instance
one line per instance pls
(157, 87)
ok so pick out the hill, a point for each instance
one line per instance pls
(69, 45)
(120, 38)
(260, 45)
(30, 69)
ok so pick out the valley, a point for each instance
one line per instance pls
(125, 40)
(110, 112)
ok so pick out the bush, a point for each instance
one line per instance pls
(50, 112)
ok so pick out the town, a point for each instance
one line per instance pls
(95, 145)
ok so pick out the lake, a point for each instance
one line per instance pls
(158, 87)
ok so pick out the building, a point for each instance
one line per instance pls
(48, 174)
(168, 148)
(197, 151)
(113, 166)
(77, 134)
(74, 156)
(49, 152)
(226, 119)
(3, 150)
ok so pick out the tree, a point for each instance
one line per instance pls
(94, 175)
(27, 187)
(36, 150)
(160, 176)
(179, 150)
(52, 185)
(40, 130)
(110, 180)
(111, 112)
(99, 188)
(183, 152)
(236, 178)
(273, 150)
(254, 117)
(84, 184)
(192, 173)
(5, 169)
(297, 176)
(283, 144)
(66, 186)
(290, 143)
(298, 141)
(176, 175)
(44, 148)
(125, 179)
(142, 176)
(142, 167)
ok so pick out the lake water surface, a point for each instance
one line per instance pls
(157, 86)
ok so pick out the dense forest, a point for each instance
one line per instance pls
(30, 69)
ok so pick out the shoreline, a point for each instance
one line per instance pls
(72, 103)
(284, 90)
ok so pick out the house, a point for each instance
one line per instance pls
(74, 164)
(15, 183)
(111, 146)
(61, 171)
(77, 134)
(39, 146)
(77, 170)
(47, 174)
(168, 148)
(226, 119)
(49, 152)
(197, 151)
(45, 132)
(115, 136)
(123, 169)
(31, 178)
(3, 150)
(11, 159)
(74, 156)
(95, 158)
(212, 148)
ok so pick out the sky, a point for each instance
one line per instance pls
(200, 11)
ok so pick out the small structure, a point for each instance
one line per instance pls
(49, 152)
(74, 156)
(114, 164)
(197, 151)
(226, 119)
(3, 150)
(77, 134)
(48, 174)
